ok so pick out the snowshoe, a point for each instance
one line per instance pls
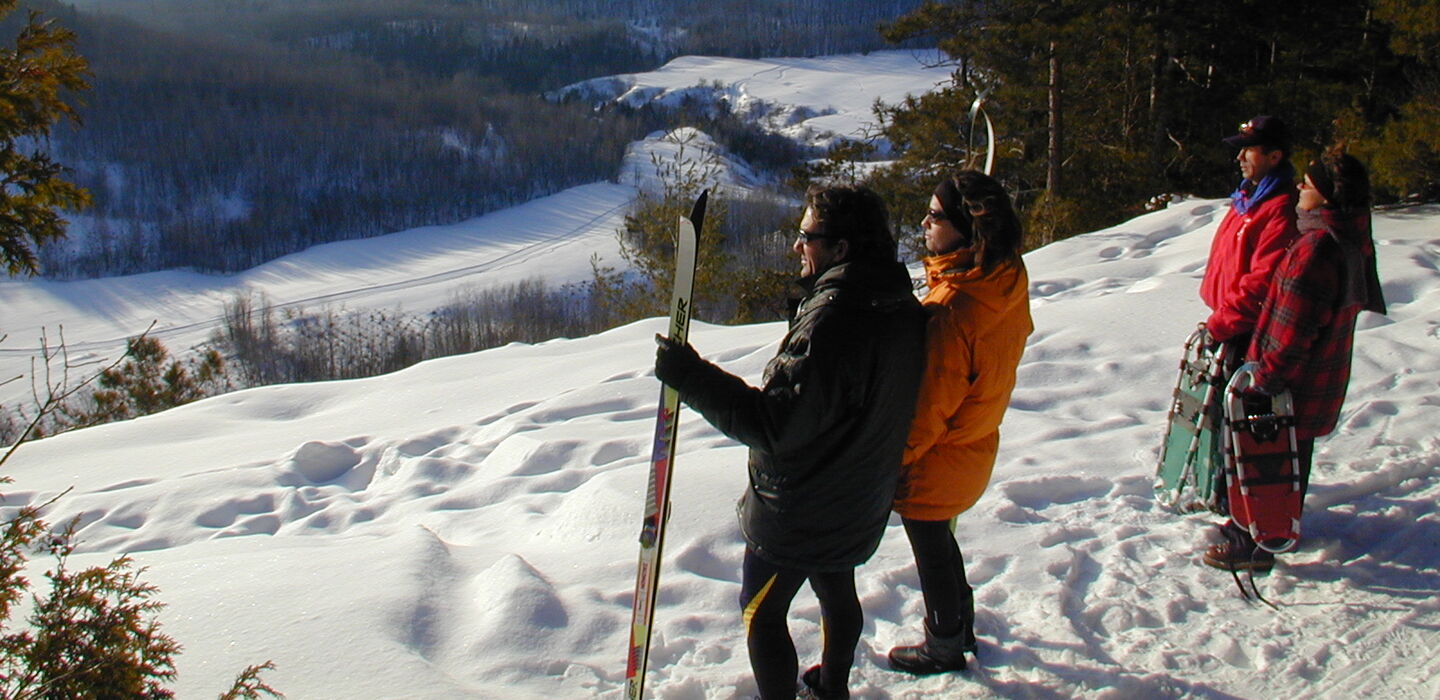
(1190, 466)
(1262, 467)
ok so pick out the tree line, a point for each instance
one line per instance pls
(217, 135)
(1101, 106)
(218, 156)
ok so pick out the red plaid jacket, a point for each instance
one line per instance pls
(1306, 328)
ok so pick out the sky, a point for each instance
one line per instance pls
(467, 527)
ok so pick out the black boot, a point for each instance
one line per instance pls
(937, 655)
(813, 690)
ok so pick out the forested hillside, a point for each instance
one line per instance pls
(222, 133)
(1102, 106)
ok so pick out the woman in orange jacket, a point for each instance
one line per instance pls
(979, 306)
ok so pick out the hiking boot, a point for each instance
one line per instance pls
(1229, 557)
(937, 655)
(1238, 552)
(814, 691)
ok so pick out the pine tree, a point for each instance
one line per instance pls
(647, 240)
(149, 381)
(95, 632)
(35, 74)
(1103, 105)
(1407, 155)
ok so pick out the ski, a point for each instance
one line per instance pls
(662, 456)
(977, 108)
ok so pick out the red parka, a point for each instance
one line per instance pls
(976, 333)
(1243, 257)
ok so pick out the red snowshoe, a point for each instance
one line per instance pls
(1262, 468)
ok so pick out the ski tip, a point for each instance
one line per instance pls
(697, 212)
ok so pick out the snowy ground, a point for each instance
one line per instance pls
(811, 100)
(467, 527)
(421, 269)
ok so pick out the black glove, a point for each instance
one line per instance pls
(674, 361)
(1256, 401)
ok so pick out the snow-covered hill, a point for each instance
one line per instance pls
(420, 270)
(814, 101)
(467, 527)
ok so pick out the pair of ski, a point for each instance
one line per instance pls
(662, 457)
(1229, 450)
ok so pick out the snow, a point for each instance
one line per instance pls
(811, 100)
(662, 155)
(416, 270)
(422, 269)
(467, 527)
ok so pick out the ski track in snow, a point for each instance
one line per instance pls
(502, 252)
(480, 535)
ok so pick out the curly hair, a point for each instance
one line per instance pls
(855, 214)
(985, 216)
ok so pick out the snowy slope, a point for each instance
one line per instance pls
(811, 100)
(419, 270)
(467, 528)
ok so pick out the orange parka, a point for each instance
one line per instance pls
(976, 333)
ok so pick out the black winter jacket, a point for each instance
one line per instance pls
(827, 431)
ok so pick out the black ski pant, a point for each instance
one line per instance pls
(949, 599)
(765, 595)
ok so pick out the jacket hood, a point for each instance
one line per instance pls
(1000, 289)
(1351, 231)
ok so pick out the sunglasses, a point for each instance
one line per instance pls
(937, 215)
(807, 236)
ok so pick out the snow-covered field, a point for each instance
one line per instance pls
(811, 100)
(467, 528)
(422, 269)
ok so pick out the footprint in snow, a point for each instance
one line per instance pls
(1042, 493)
(322, 462)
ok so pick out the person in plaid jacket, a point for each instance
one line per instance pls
(1302, 340)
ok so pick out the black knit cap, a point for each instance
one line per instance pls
(1341, 179)
(1320, 177)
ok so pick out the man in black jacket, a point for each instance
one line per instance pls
(825, 432)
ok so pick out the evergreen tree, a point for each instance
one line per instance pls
(647, 240)
(1407, 154)
(95, 632)
(1103, 105)
(149, 381)
(36, 71)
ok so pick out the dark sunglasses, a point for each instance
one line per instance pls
(937, 215)
(806, 236)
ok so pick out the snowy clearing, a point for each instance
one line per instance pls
(467, 527)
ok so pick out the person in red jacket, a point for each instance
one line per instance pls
(1254, 234)
(1303, 337)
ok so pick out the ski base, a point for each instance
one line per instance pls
(662, 457)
